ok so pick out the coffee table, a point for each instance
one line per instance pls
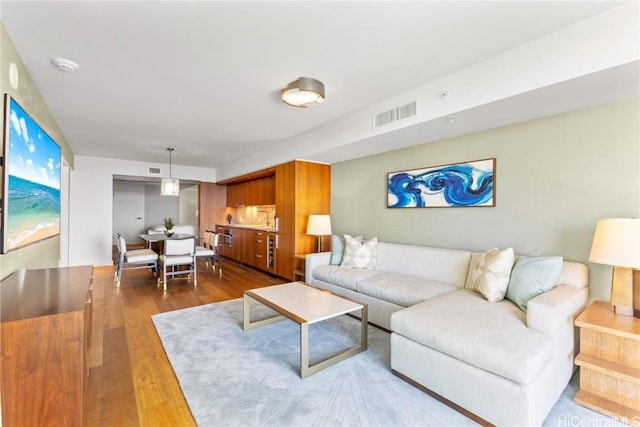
(305, 305)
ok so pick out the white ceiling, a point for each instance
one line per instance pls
(205, 76)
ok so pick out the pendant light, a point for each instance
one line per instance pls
(170, 186)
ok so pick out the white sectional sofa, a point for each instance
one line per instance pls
(493, 359)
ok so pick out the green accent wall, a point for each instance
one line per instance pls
(555, 177)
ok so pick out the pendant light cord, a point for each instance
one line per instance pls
(170, 151)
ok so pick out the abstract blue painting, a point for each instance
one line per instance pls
(456, 185)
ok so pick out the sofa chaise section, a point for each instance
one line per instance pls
(491, 359)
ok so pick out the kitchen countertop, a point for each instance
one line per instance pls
(249, 227)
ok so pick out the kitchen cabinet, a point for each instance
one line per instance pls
(256, 249)
(255, 192)
(45, 332)
(298, 189)
(237, 194)
(302, 189)
(238, 244)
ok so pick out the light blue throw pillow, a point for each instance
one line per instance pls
(337, 249)
(532, 276)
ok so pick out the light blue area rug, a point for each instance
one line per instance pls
(232, 377)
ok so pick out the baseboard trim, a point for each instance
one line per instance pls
(473, 417)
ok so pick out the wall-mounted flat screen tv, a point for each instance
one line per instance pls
(31, 198)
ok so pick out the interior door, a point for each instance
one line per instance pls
(128, 214)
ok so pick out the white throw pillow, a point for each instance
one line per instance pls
(360, 254)
(337, 249)
(491, 274)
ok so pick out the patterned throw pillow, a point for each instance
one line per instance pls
(360, 254)
(491, 274)
(337, 249)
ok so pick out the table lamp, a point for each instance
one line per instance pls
(319, 225)
(616, 242)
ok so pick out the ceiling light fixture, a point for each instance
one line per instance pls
(303, 92)
(169, 186)
(65, 64)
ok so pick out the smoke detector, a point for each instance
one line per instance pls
(65, 64)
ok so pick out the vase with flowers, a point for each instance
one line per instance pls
(168, 224)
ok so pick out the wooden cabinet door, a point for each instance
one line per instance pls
(284, 255)
(258, 253)
(238, 194)
(237, 244)
(232, 195)
(266, 191)
(285, 197)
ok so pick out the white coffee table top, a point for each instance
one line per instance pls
(304, 303)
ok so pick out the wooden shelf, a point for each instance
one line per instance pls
(609, 363)
(627, 373)
(607, 407)
(299, 267)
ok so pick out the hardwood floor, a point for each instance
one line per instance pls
(131, 382)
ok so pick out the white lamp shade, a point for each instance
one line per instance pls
(319, 225)
(616, 242)
(170, 187)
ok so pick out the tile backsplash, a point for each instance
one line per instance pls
(262, 215)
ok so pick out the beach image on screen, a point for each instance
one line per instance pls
(33, 181)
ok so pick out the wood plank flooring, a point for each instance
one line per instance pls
(131, 382)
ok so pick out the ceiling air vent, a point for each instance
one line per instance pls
(154, 170)
(399, 113)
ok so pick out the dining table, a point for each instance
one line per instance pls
(151, 238)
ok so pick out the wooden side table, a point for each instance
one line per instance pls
(299, 261)
(609, 362)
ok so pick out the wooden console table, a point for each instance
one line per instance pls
(45, 329)
(609, 362)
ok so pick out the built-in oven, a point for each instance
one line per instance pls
(227, 237)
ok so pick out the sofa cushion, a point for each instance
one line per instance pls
(491, 273)
(402, 289)
(342, 276)
(337, 248)
(489, 336)
(532, 276)
(360, 254)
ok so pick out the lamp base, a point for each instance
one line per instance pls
(625, 289)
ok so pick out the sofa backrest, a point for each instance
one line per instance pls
(446, 265)
(573, 273)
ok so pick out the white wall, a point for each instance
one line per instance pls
(189, 206)
(91, 203)
(555, 177)
(157, 207)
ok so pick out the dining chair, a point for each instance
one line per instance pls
(215, 246)
(179, 253)
(205, 251)
(134, 259)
